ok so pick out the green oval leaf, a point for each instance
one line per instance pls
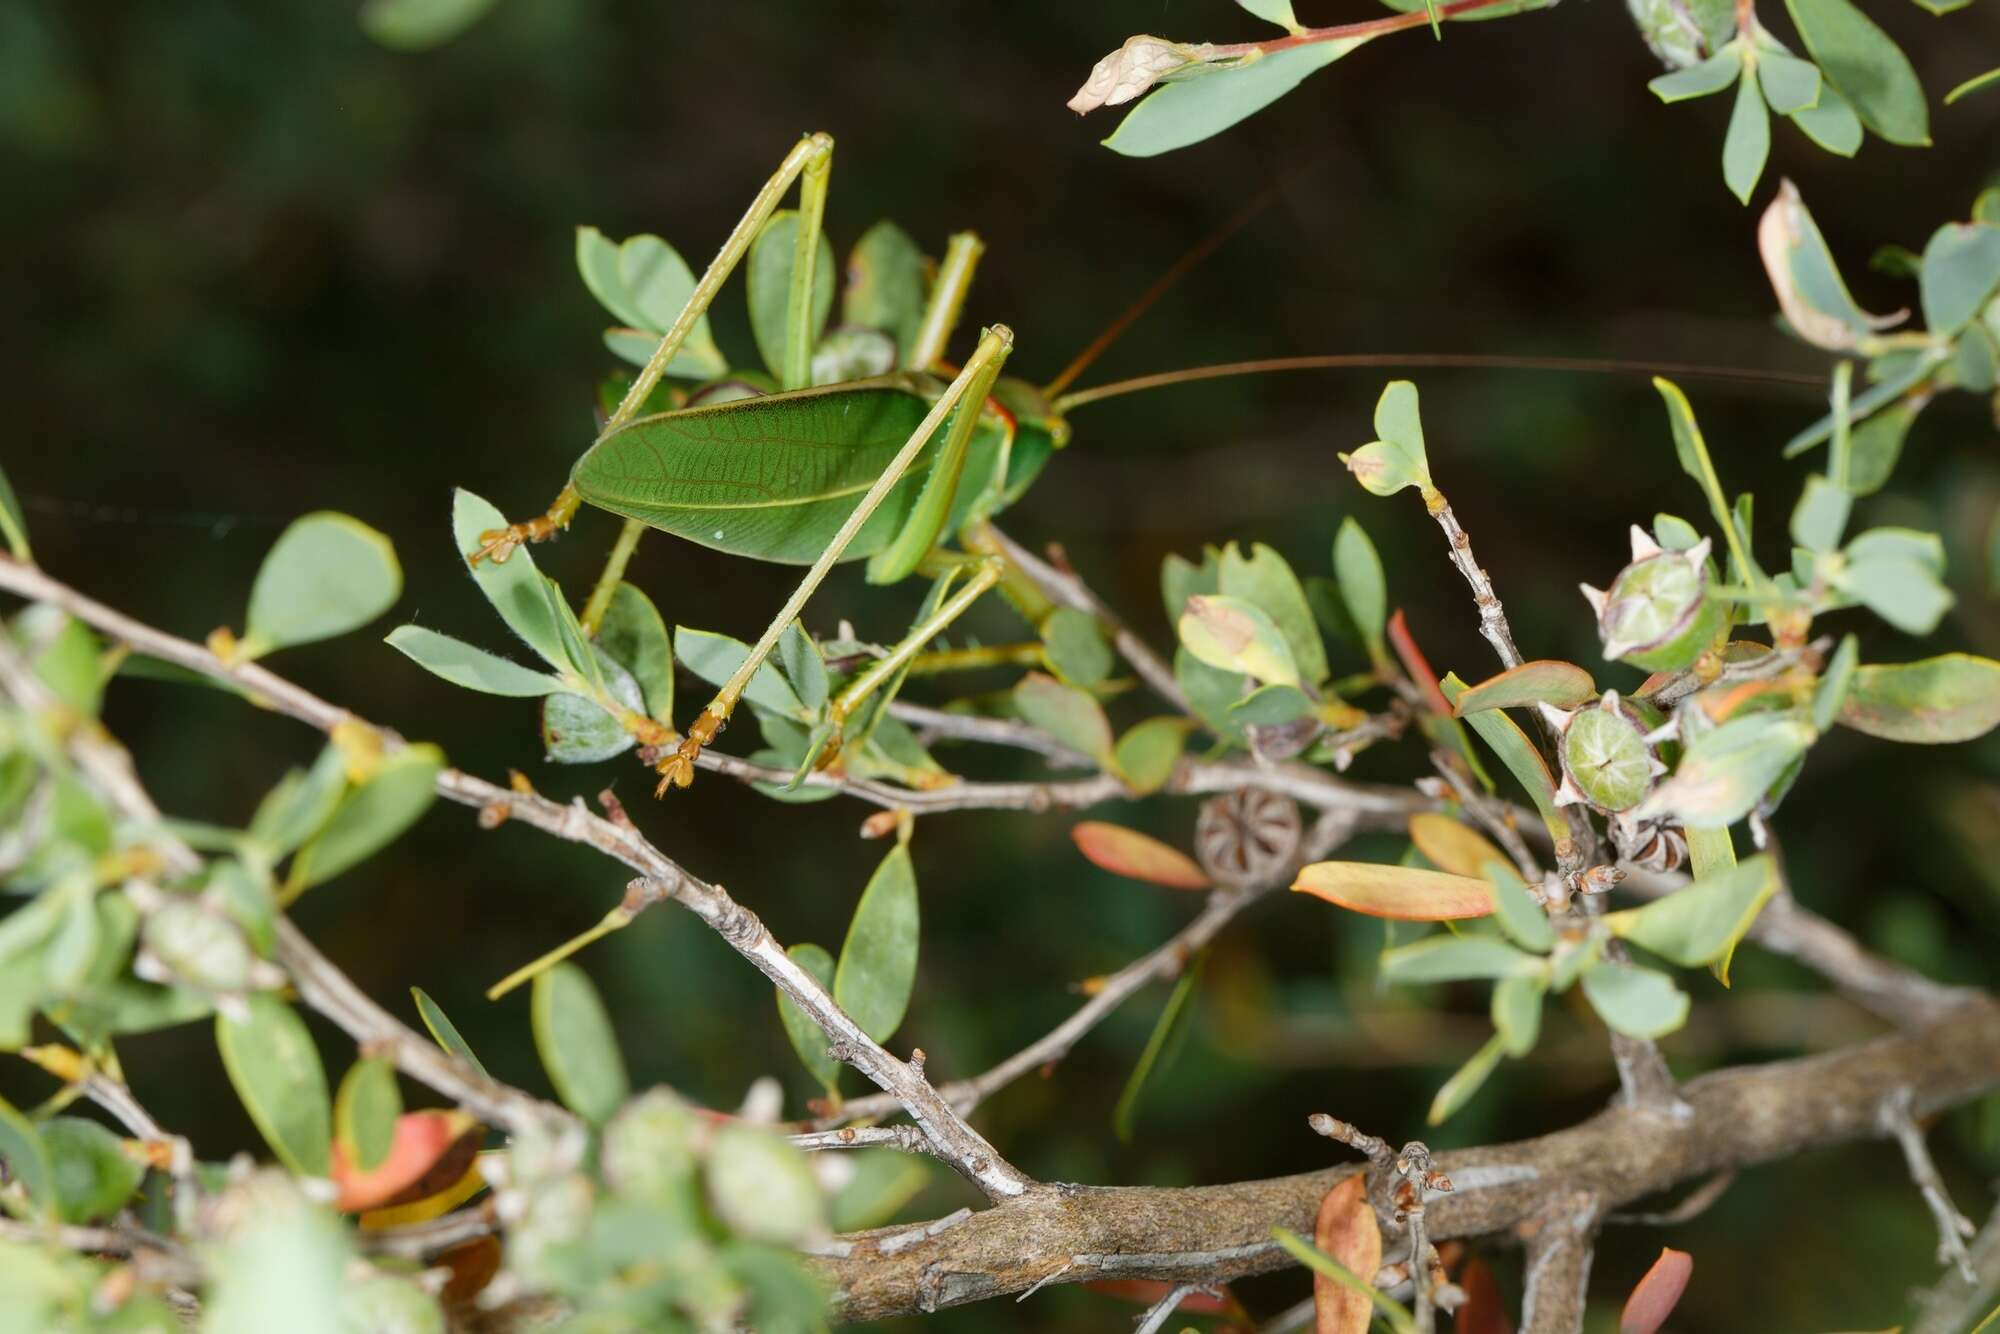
(275, 1069)
(576, 730)
(94, 1176)
(635, 635)
(761, 1188)
(464, 665)
(365, 1111)
(326, 574)
(886, 288)
(27, 1159)
(767, 275)
(1953, 697)
(512, 586)
(443, 1031)
(645, 283)
(878, 960)
(371, 815)
(1071, 716)
(1192, 109)
(1961, 268)
(805, 1036)
(1074, 647)
(578, 1049)
(1702, 923)
(1524, 920)
(1517, 1012)
(715, 658)
(1725, 773)
(1446, 958)
(1147, 754)
(1458, 1090)
(1363, 589)
(1638, 1002)
(1711, 76)
(418, 25)
(1747, 145)
(1790, 85)
(1859, 58)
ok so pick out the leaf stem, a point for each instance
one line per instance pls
(617, 919)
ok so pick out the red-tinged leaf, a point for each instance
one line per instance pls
(1544, 681)
(1128, 852)
(1147, 1291)
(430, 1153)
(1656, 1295)
(1400, 892)
(1451, 846)
(1346, 1229)
(1418, 668)
(472, 1267)
(1482, 1312)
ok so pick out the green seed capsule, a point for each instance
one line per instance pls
(1658, 614)
(1608, 760)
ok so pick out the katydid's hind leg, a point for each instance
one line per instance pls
(497, 544)
(677, 770)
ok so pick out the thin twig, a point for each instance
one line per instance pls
(1222, 907)
(1952, 1304)
(1067, 589)
(1692, 1207)
(907, 1138)
(1953, 1227)
(931, 723)
(325, 988)
(1161, 1311)
(1900, 995)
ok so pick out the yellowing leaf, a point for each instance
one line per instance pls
(1452, 846)
(1400, 892)
(1347, 1230)
(1128, 852)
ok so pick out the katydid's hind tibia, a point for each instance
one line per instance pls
(964, 396)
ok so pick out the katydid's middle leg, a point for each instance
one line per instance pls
(677, 770)
(811, 157)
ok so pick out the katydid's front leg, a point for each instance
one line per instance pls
(811, 157)
(677, 770)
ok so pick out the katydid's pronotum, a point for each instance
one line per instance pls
(854, 445)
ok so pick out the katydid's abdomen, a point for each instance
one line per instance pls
(773, 478)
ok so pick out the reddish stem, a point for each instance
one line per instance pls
(1370, 28)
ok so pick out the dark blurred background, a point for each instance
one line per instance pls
(256, 264)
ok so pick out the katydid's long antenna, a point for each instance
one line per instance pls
(1464, 360)
(1161, 286)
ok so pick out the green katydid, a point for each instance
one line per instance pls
(881, 467)
(812, 474)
